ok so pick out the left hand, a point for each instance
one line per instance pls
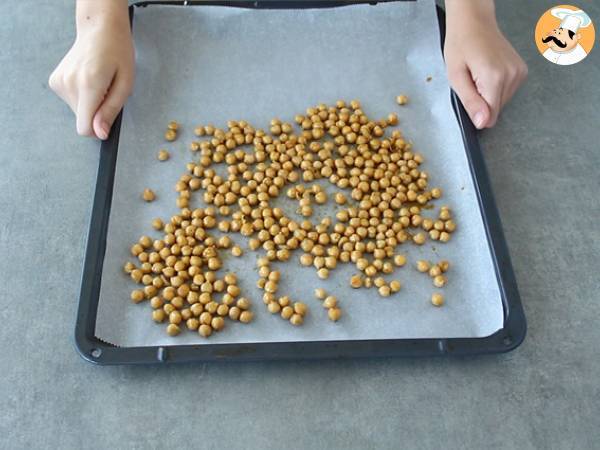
(483, 68)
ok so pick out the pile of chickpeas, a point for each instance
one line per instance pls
(382, 200)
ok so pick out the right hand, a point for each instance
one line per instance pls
(96, 76)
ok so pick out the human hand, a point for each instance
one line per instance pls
(484, 70)
(96, 75)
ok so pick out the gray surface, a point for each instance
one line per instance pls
(474, 305)
(544, 161)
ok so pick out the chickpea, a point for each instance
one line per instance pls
(287, 312)
(434, 235)
(306, 259)
(300, 308)
(440, 281)
(156, 302)
(274, 307)
(444, 265)
(395, 285)
(197, 309)
(419, 238)
(444, 236)
(129, 267)
(444, 213)
(230, 278)
(148, 195)
(378, 282)
(236, 251)
(371, 271)
(296, 319)
(158, 315)
(423, 266)
(435, 270)
(384, 291)
(306, 211)
(217, 323)
(356, 281)
(334, 314)
(321, 197)
(437, 299)
(205, 317)
(157, 224)
(234, 313)
(402, 99)
(246, 316)
(225, 242)
(320, 293)
(399, 260)
(211, 307)
(137, 296)
(173, 329)
(205, 330)
(222, 310)
(163, 155)
(192, 324)
(340, 198)
(233, 290)
(271, 286)
(243, 303)
(330, 302)
(323, 273)
(175, 317)
(170, 135)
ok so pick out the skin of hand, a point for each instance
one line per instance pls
(96, 75)
(484, 70)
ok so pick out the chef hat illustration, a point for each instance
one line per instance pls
(571, 20)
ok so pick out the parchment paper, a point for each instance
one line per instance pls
(202, 65)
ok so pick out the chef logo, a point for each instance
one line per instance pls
(564, 35)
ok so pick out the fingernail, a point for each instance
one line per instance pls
(104, 129)
(478, 119)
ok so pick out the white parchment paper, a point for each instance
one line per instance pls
(202, 65)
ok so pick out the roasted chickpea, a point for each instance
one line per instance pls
(148, 195)
(334, 314)
(437, 299)
(173, 329)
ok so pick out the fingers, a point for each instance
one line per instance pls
(83, 98)
(477, 108)
(516, 77)
(491, 86)
(59, 86)
(87, 104)
(111, 105)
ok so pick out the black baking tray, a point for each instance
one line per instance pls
(96, 351)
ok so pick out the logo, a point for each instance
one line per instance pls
(564, 35)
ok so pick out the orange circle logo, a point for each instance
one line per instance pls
(565, 35)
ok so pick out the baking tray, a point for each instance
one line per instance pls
(92, 349)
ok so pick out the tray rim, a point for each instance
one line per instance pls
(96, 351)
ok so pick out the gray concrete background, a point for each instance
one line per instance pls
(544, 162)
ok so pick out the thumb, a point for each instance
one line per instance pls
(465, 88)
(111, 106)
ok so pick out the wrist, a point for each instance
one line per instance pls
(95, 15)
(469, 13)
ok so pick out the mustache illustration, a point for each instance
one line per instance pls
(556, 41)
